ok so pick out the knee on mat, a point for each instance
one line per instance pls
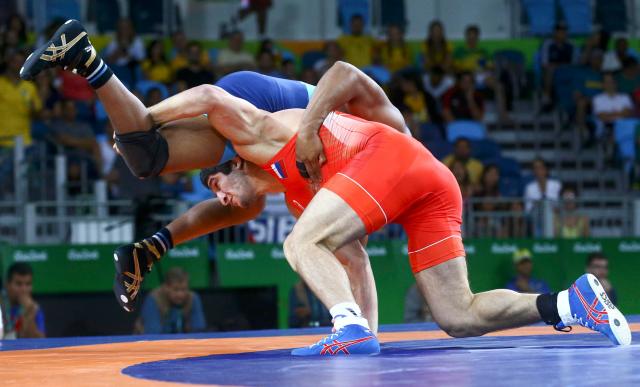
(458, 328)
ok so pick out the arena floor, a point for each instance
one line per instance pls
(417, 354)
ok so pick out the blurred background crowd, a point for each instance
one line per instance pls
(545, 126)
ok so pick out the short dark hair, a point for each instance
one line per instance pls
(593, 256)
(629, 62)
(19, 268)
(176, 274)
(224, 168)
(357, 16)
(472, 28)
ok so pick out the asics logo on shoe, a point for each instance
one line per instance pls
(58, 52)
(336, 346)
(606, 301)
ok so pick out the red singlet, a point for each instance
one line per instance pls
(385, 177)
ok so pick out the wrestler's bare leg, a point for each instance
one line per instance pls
(327, 224)
(355, 260)
(461, 313)
(193, 143)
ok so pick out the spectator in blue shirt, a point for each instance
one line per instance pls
(523, 282)
(556, 51)
(22, 316)
(172, 308)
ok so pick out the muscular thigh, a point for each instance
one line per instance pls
(330, 220)
(446, 288)
(193, 144)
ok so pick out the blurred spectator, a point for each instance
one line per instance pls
(305, 309)
(19, 103)
(194, 73)
(523, 282)
(289, 70)
(416, 309)
(23, 318)
(542, 187)
(408, 90)
(156, 67)
(377, 70)
(609, 107)
(410, 120)
(332, 54)
(628, 80)
(48, 94)
(107, 153)
(461, 173)
(569, 223)
(437, 82)
(267, 64)
(309, 76)
(173, 185)
(488, 191)
(475, 59)
(16, 24)
(462, 153)
(517, 225)
(172, 307)
(463, 101)
(597, 41)
(588, 84)
(234, 57)
(358, 46)
(614, 59)
(127, 48)
(395, 52)
(437, 52)
(153, 97)
(598, 265)
(78, 139)
(260, 8)
(180, 52)
(556, 51)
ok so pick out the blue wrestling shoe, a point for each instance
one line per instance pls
(349, 340)
(586, 303)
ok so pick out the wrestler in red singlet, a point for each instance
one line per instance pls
(385, 177)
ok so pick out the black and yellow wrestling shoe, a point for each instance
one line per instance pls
(132, 262)
(70, 49)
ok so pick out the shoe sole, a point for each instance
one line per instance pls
(617, 322)
(38, 53)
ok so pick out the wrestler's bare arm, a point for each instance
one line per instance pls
(342, 85)
(210, 216)
(345, 84)
(254, 133)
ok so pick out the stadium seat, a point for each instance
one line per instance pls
(471, 130)
(430, 132)
(578, 15)
(511, 186)
(508, 167)
(64, 9)
(612, 15)
(485, 150)
(541, 15)
(440, 149)
(514, 63)
(310, 58)
(144, 86)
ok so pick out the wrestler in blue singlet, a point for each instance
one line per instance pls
(266, 93)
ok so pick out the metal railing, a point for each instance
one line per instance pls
(101, 221)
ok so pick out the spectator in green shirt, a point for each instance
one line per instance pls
(470, 57)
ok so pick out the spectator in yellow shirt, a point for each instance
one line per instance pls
(19, 102)
(181, 52)
(358, 46)
(155, 67)
(436, 51)
(462, 153)
(395, 52)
